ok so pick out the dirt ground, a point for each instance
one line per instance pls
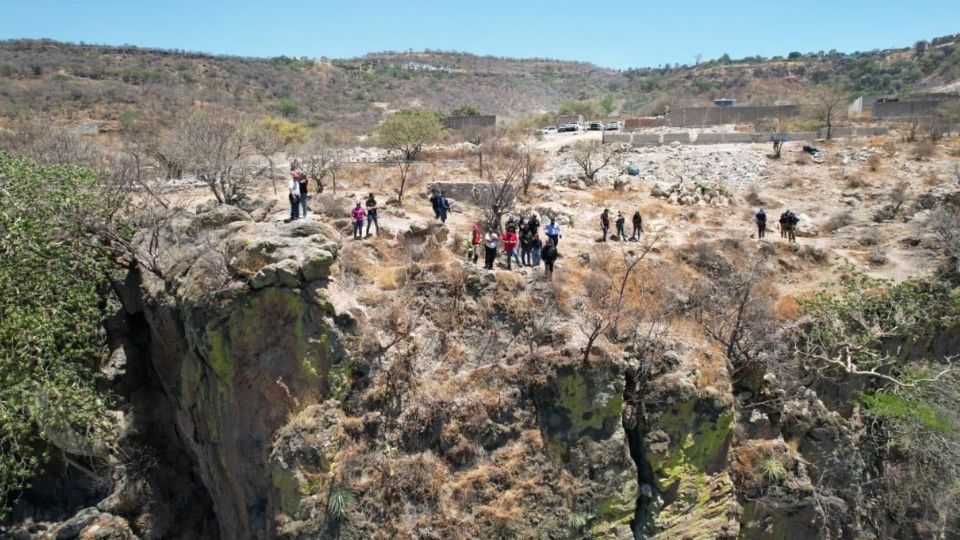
(841, 189)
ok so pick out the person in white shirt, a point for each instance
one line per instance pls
(294, 199)
(490, 241)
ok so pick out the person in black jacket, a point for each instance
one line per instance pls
(621, 227)
(435, 203)
(526, 238)
(549, 255)
(637, 226)
(761, 223)
(372, 215)
(605, 223)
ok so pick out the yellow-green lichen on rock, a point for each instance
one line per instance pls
(588, 408)
(690, 472)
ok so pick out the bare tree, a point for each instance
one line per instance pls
(591, 156)
(605, 298)
(735, 307)
(828, 104)
(497, 196)
(321, 157)
(217, 148)
(532, 164)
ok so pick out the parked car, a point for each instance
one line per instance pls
(547, 130)
(595, 126)
(568, 127)
(612, 126)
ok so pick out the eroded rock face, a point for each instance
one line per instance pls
(241, 334)
(581, 422)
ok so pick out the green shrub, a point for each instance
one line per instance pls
(50, 315)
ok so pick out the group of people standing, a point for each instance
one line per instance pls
(359, 214)
(621, 223)
(519, 235)
(788, 225)
(298, 195)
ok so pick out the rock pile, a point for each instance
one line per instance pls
(689, 193)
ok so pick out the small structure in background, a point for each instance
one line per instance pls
(863, 105)
(469, 122)
(725, 102)
(570, 119)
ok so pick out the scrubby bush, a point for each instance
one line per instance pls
(923, 150)
(50, 318)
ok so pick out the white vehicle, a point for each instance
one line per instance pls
(547, 130)
(568, 127)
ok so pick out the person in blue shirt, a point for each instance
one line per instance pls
(553, 231)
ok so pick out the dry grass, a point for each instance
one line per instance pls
(792, 181)
(604, 196)
(787, 308)
(923, 150)
(855, 182)
(758, 463)
(874, 163)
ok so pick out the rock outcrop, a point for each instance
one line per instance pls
(241, 334)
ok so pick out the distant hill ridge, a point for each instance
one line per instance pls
(78, 81)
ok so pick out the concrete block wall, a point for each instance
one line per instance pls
(616, 137)
(683, 137)
(645, 139)
(709, 138)
(738, 137)
(870, 131)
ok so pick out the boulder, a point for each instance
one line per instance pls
(807, 227)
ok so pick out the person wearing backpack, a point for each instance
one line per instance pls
(792, 221)
(443, 207)
(621, 227)
(761, 223)
(549, 255)
(784, 225)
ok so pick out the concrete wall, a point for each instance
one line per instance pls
(465, 122)
(645, 139)
(709, 116)
(870, 131)
(683, 137)
(461, 192)
(908, 109)
(612, 137)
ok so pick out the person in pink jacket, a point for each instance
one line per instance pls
(358, 216)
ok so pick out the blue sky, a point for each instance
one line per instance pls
(614, 33)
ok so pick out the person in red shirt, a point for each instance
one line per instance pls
(510, 241)
(475, 243)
